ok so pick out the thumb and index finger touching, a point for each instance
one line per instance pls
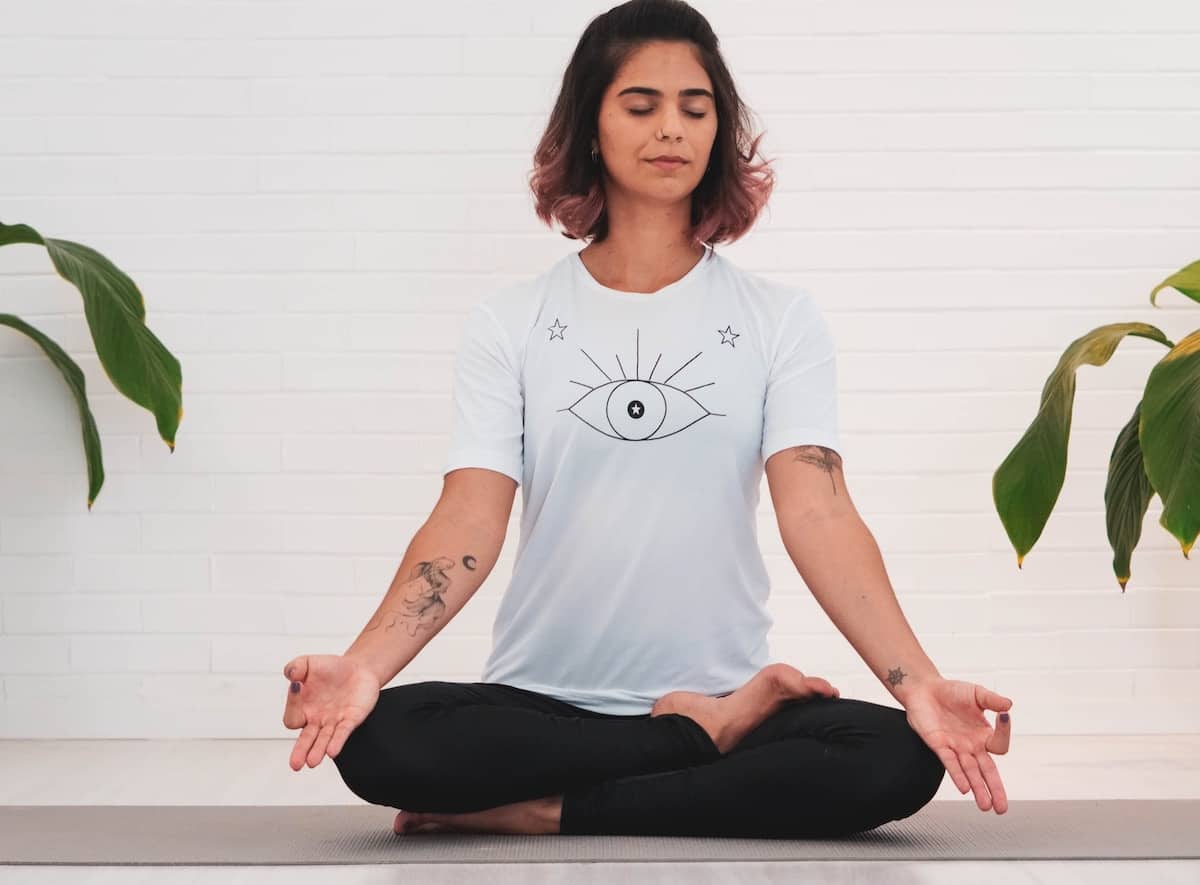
(296, 670)
(999, 741)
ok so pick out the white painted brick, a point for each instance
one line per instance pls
(213, 614)
(140, 572)
(88, 533)
(44, 573)
(1181, 684)
(377, 535)
(71, 613)
(62, 452)
(1047, 610)
(292, 194)
(216, 453)
(168, 532)
(1132, 647)
(154, 492)
(140, 654)
(291, 575)
(33, 654)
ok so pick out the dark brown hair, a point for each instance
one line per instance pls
(566, 183)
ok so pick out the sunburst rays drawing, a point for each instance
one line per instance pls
(635, 409)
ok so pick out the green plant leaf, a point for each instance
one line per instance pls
(1026, 485)
(136, 362)
(78, 386)
(1170, 437)
(1185, 281)
(1127, 495)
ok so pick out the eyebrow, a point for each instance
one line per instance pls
(657, 93)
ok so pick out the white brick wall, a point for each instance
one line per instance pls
(310, 196)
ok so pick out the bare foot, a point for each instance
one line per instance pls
(730, 718)
(533, 816)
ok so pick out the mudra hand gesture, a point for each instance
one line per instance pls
(948, 715)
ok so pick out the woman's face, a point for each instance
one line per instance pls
(663, 87)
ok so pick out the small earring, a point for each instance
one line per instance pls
(595, 155)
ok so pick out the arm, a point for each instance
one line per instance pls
(448, 559)
(842, 566)
(838, 559)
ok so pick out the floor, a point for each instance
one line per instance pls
(256, 772)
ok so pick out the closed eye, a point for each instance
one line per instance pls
(643, 113)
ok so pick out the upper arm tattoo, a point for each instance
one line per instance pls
(819, 456)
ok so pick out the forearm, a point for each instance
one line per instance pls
(445, 563)
(840, 562)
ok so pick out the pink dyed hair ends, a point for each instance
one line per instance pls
(568, 186)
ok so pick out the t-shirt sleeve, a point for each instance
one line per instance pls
(489, 406)
(800, 405)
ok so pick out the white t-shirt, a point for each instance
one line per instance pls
(638, 426)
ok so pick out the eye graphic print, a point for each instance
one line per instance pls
(636, 409)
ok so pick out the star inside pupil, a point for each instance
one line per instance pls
(635, 409)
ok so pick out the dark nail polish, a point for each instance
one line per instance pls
(1003, 717)
(295, 687)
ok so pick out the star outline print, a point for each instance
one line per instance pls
(728, 330)
(557, 327)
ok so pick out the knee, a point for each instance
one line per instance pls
(920, 775)
(387, 766)
(360, 764)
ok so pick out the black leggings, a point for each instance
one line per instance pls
(819, 767)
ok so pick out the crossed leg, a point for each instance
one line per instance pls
(814, 767)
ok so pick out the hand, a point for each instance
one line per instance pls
(948, 715)
(329, 695)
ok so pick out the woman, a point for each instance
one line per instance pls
(628, 689)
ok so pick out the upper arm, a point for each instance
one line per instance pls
(478, 494)
(807, 482)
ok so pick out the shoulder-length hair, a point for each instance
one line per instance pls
(567, 184)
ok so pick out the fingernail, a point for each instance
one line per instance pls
(1003, 717)
(295, 687)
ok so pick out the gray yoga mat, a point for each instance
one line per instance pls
(347, 834)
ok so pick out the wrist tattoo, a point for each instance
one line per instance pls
(895, 677)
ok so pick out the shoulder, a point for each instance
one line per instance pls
(766, 292)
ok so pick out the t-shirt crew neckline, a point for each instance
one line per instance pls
(698, 270)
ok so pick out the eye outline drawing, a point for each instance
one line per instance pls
(613, 385)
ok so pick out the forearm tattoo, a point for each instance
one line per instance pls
(421, 601)
(895, 677)
(819, 456)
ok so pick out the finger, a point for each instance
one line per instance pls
(999, 740)
(340, 734)
(991, 774)
(991, 700)
(296, 670)
(950, 763)
(983, 798)
(303, 743)
(822, 685)
(317, 753)
(293, 711)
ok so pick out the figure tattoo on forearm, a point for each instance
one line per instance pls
(895, 677)
(820, 456)
(422, 598)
